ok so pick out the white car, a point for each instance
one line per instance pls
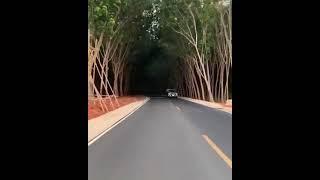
(172, 93)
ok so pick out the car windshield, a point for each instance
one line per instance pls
(171, 90)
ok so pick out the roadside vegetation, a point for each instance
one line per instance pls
(186, 44)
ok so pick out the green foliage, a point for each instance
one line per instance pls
(195, 19)
(148, 24)
(103, 15)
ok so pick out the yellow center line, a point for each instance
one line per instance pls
(218, 150)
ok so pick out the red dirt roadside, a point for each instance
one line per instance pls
(227, 105)
(94, 109)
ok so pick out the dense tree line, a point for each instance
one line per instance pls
(113, 26)
(196, 34)
(204, 37)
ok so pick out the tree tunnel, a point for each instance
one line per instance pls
(142, 47)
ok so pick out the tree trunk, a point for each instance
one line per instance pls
(221, 84)
(121, 84)
(202, 89)
(217, 83)
(115, 84)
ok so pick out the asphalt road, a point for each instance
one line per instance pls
(163, 141)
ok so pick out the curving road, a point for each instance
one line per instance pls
(164, 140)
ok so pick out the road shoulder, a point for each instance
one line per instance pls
(209, 104)
(100, 125)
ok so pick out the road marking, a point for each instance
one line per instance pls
(178, 108)
(218, 150)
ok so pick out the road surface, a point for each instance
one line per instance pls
(165, 140)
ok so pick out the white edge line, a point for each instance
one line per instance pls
(118, 122)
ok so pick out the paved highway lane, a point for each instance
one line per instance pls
(166, 139)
